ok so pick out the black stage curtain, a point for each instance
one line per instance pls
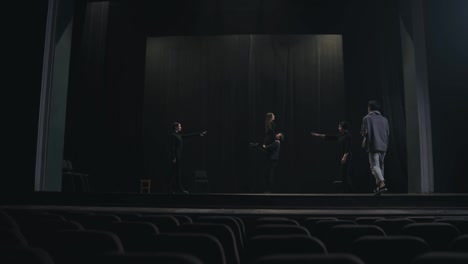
(226, 85)
(103, 126)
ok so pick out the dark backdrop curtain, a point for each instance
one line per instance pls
(226, 84)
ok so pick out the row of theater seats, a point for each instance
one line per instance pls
(34, 236)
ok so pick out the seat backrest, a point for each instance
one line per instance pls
(264, 245)
(12, 238)
(310, 223)
(322, 227)
(394, 226)
(84, 242)
(183, 219)
(128, 216)
(24, 255)
(150, 258)
(7, 221)
(309, 258)
(375, 249)
(437, 235)
(37, 232)
(279, 230)
(134, 235)
(26, 221)
(340, 238)
(367, 220)
(461, 224)
(222, 232)
(241, 225)
(422, 219)
(442, 257)
(165, 223)
(203, 246)
(275, 221)
(77, 246)
(459, 244)
(96, 221)
(229, 221)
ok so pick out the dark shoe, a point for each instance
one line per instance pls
(338, 180)
(379, 190)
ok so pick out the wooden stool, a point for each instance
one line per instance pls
(145, 185)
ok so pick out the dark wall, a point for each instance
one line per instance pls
(447, 60)
(188, 17)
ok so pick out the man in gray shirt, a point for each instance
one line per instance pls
(375, 131)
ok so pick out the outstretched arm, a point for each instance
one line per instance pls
(325, 136)
(201, 134)
(317, 134)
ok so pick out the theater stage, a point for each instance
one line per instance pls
(246, 204)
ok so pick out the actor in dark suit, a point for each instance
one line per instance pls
(272, 151)
(344, 140)
(176, 145)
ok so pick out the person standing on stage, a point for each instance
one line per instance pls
(272, 151)
(343, 140)
(270, 129)
(375, 131)
(176, 144)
